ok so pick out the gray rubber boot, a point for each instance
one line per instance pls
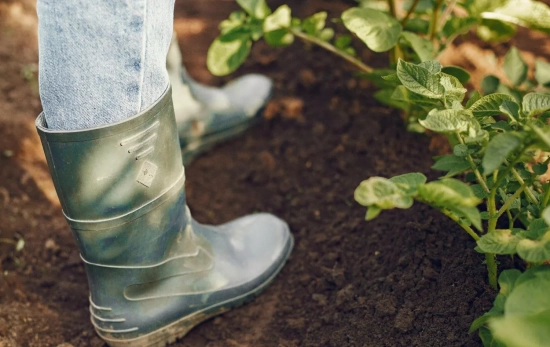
(154, 273)
(206, 115)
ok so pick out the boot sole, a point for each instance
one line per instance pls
(178, 329)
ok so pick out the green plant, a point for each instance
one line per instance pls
(520, 315)
(500, 137)
(499, 144)
(425, 30)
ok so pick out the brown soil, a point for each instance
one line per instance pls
(409, 278)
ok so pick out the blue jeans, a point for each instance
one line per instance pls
(101, 61)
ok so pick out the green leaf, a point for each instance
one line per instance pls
(514, 67)
(452, 164)
(542, 72)
(498, 149)
(540, 168)
(383, 193)
(488, 339)
(500, 241)
(432, 66)
(479, 6)
(546, 215)
(276, 25)
(327, 34)
(381, 77)
(471, 214)
(510, 108)
(255, 8)
(531, 14)
(314, 24)
(448, 193)
(458, 25)
(454, 91)
(536, 251)
(447, 121)
(530, 293)
(453, 195)
(479, 192)
(421, 46)
(489, 105)
(228, 52)
(392, 78)
(372, 212)
(522, 330)
(419, 80)
(460, 150)
(537, 229)
(495, 31)
(535, 103)
(409, 182)
(507, 280)
(462, 75)
(475, 96)
(378, 30)
(236, 19)
(489, 84)
(417, 25)
(384, 96)
(403, 94)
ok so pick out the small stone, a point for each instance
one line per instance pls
(307, 78)
(8, 153)
(50, 244)
(320, 299)
(404, 320)
(297, 323)
(268, 161)
(344, 294)
(292, 107)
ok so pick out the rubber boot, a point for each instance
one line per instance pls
(153, 272)
(206, 115)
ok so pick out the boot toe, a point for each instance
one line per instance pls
(249, 248)
(249, 93)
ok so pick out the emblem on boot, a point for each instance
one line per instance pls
(147, 173)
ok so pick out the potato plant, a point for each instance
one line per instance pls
(500, 145)
(495, 183)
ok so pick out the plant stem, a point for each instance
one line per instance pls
(446, 13)
(396, 50)
(489, 257)
(510, 219)
(434, 21)
(314, 40)
(391, 5)
(480, 178)
(492, 210)
(510, 201)
(8, 241)
(491, 200)
(463, 225)
(546, 197)
(528, 192)
(491, 263)
(409, 12)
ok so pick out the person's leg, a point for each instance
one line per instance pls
(101, 61)
(112, 147)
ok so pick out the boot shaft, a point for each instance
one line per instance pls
(116, 182)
